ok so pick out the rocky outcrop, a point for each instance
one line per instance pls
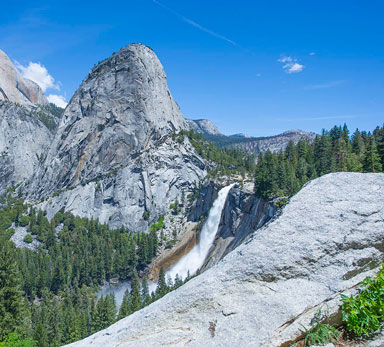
(203, 126)
(24, 142)
(243, 213)
(15, 88)
(328, 238)
(114, 156)
(206, 196)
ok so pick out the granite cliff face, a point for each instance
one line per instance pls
(24, 141)
(114, 157)
(27, 125)
(15, 88)
(242, 215)
(328, 238)
(203, 126)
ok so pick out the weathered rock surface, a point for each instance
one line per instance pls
(207, 195)
(24, 142)
(203, 126)
(243, 213)
(15, 88)
(114, 157)
(327, 239)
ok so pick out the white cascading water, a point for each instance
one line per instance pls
(194, 260)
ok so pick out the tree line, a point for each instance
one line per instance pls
(284, 173)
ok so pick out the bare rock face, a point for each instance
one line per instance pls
(328, 238)
(120, 110)
(203, 126)
(15, 88)
(24, 142)
(114, 156)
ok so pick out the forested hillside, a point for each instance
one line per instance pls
(48, 295)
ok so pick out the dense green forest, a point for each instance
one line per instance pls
(48, 295)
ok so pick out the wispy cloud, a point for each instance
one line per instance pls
(196, 25)
(312, 53)
(291, 65)
(325, 85)
(315, 118)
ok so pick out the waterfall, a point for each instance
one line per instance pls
(194, 260)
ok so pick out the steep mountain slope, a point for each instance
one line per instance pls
(203, 126)
(24, 141)
(328, 238)
(15, 88)
(114, 157)
(26, 125)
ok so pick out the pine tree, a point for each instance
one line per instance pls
(11, 295)
(379, 137)
(357, 143)
(135, 299)
(40, 335)
(162, 288)
(125, 310)
(145, 297)
(371, 159)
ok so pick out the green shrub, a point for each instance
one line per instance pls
(146, 215)
(15, 340)
(157, 226)
(320, 333)
(364, 313)
(281, 202)
(23, 221)
(28, 238)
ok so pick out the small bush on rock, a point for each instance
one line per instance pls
(28, 238)
(364, 313)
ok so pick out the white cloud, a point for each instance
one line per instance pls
(295, 67)
(58, 100)
(290, 65)
(285, 60)
(312, 53)
(38, 74)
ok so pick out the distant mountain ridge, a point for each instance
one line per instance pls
(256, 145)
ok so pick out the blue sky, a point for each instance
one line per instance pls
(257, 67)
